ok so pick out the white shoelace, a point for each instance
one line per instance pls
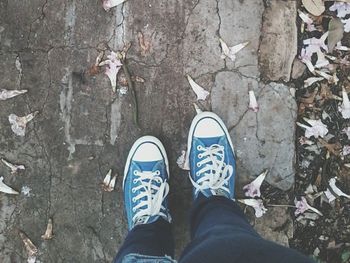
(153, 191)
(215, 172)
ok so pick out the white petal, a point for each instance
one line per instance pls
(347, 132)
(253, 104)
(321, 60)
(259, 180)
(317, 129)
(314, 210)
(308, 82)
(231, 52)
(335, 189)
(14, 167)
(224, 47)
(341, 48)
(346, 150)
(181, 160)
(305, 17)
(107, 178)
(235, 49)
(113, 64)
(108, 4)
(7, 94)
(345, 107)
(329, 195)
(112, 183)
(6, 189)
(309, 65)
(18, 124)
(201, 93)
(257, 204)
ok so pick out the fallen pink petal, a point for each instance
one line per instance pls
(253, 104)
(341, 8)
(317, 128)
(302, 206)
(13, 167)
(305, 57)
(314, 44)
(253, 189)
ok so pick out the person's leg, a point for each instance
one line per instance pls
(221, 233)
(219, 229)
(154, 239)
(146, 189)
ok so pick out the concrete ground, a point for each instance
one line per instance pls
(84, 129)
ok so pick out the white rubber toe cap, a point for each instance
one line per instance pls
(147, 152)
(208, 128)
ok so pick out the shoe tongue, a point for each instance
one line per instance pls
(210, 140)
(147, 166)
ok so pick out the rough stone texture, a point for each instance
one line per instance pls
(83, 129)
(298, 68)
(278, 42)
(265, 140)
(276, 225)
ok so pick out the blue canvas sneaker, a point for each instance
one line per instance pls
(211, 157)
(145, 182)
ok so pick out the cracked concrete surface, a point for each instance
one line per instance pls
(83, 129)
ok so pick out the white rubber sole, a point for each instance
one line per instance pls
(136, 144)
(196, 119)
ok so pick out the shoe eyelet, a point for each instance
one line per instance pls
(135, 172)
(134, 181)
(199, 147)
(133, 190)
(157, 172)
(133, 200)
(200, 156)
(198, 165)
(134, 209)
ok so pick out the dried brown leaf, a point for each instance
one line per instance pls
(28, 244)
(333, 148)
(145, 44)
(48, 233)
(309, 99)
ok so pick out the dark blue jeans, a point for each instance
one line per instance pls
(219, 233)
